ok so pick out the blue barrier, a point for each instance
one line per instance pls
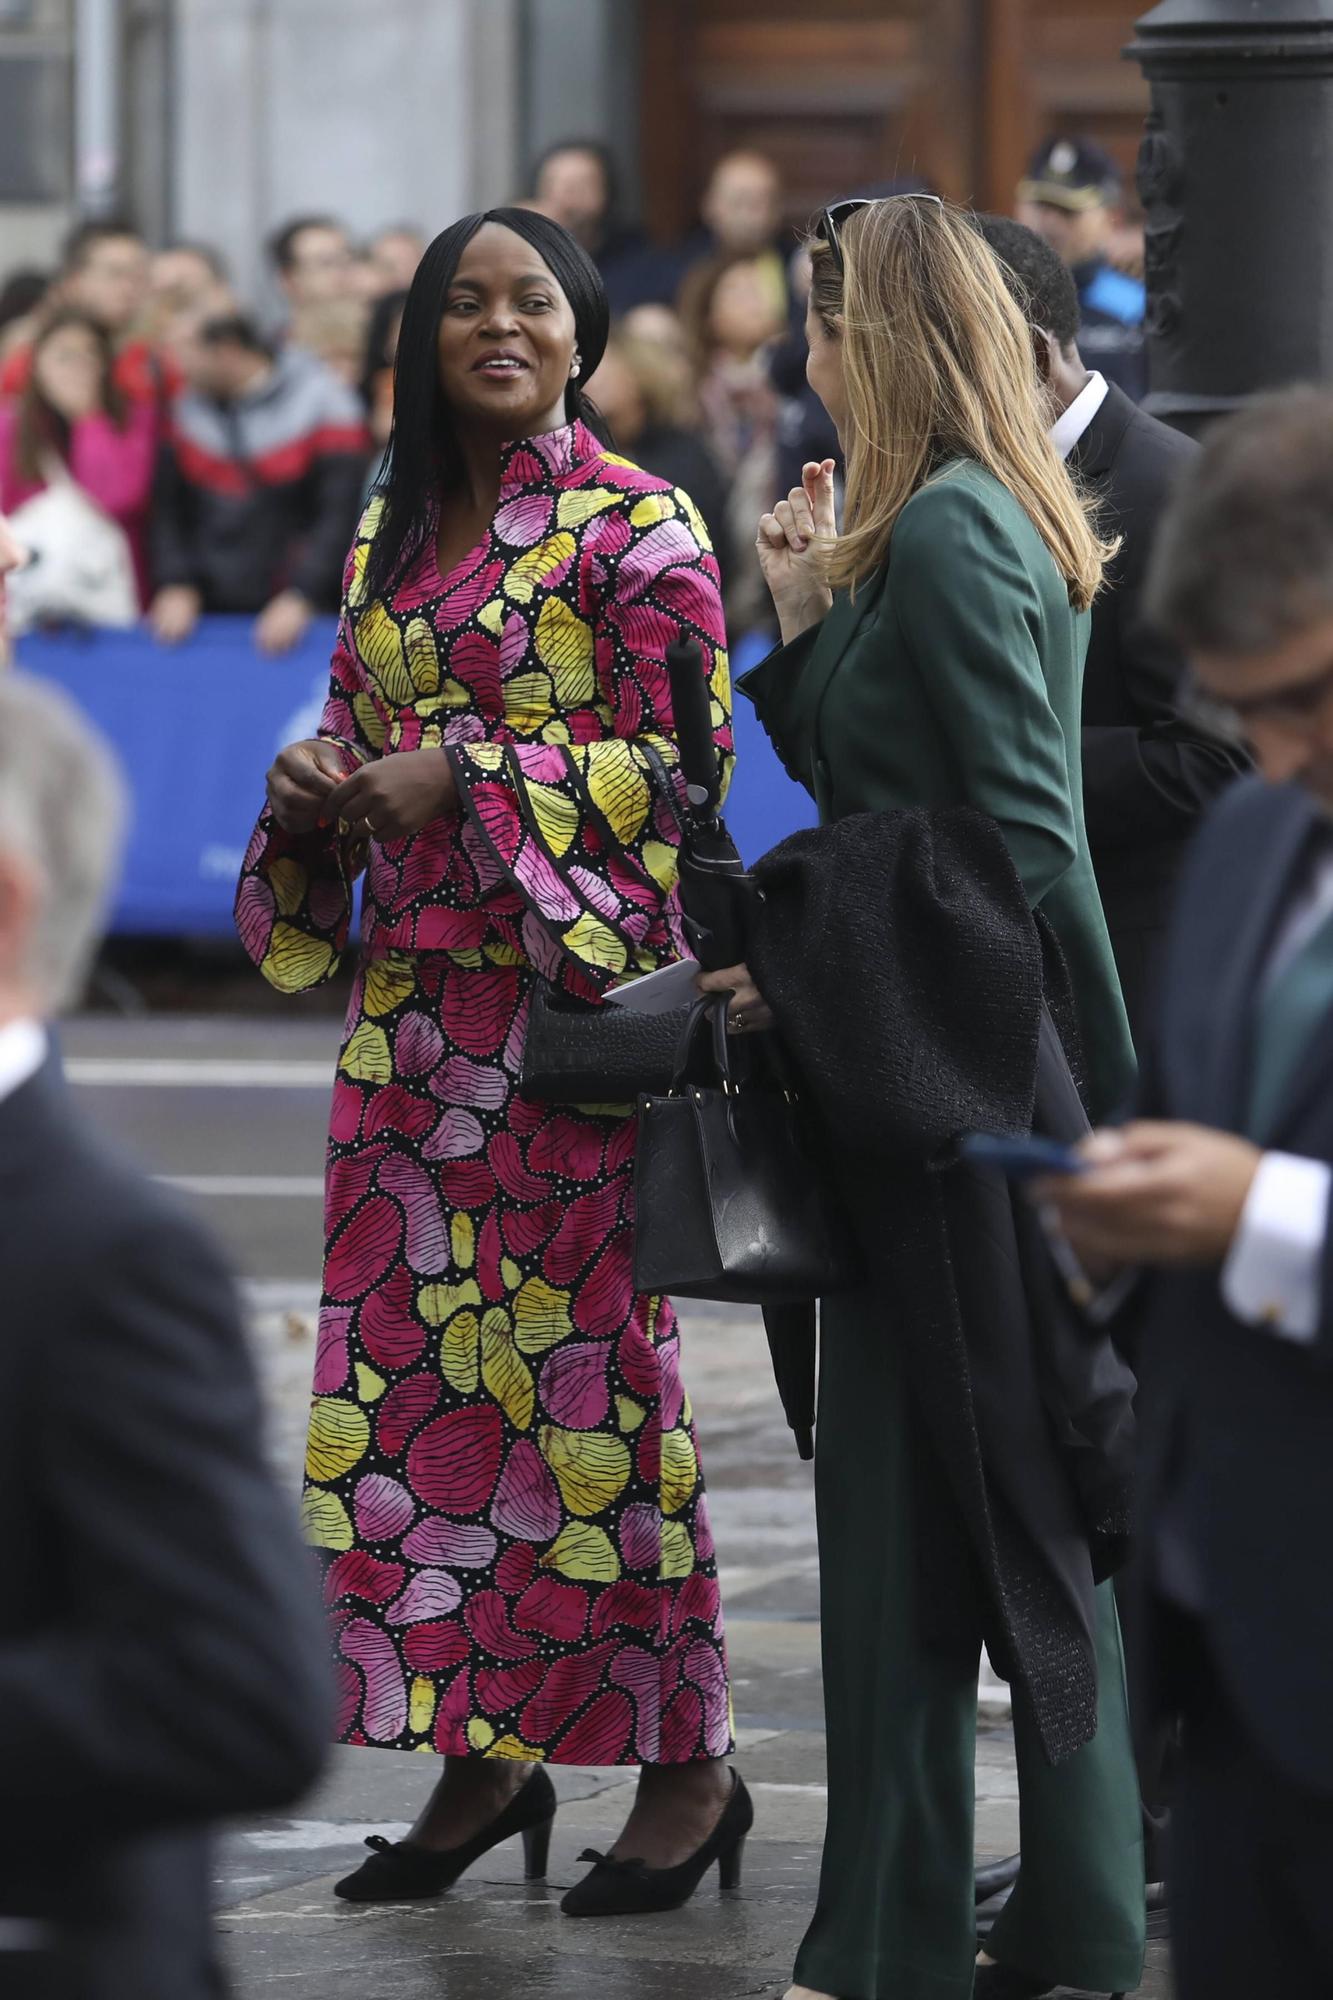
(196, 727)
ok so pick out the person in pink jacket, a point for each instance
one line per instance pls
(72, 413)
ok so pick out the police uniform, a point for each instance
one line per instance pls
(1073, 174)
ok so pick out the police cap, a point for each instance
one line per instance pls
(1071, 173)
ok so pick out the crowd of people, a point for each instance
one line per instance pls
(169, 449)
(972, 952)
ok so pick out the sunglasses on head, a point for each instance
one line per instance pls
(835, 218)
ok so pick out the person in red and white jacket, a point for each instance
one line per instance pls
(258, 486)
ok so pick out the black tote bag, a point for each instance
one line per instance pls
(731, 1202)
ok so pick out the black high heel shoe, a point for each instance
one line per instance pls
(631, 1888)
(1001, 1982)
(399, 1870)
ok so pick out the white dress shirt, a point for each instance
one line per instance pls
(1069, 428)
(1272, 1276)
(22, 1053)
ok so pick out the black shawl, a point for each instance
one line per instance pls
(915, 991)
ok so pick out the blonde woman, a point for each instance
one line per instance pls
(932, 656)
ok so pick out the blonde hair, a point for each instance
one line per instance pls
(663, 377)
(938, 364)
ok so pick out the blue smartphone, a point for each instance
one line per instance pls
(1019, 1159)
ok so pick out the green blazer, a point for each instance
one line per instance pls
(955, 678)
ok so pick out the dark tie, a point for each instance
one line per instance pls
(1289, 1013)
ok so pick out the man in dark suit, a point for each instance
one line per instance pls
(1221, 1191)
(1148, 769)
(162, 1658)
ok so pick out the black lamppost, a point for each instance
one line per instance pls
(1236, 176)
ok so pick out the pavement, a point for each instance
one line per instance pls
(233, 1111)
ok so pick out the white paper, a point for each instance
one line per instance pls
(659, 992)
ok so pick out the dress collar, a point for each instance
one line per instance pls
(536, 461)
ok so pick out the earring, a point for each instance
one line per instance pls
(576, 366)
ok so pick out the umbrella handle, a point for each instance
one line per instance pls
(692, 709)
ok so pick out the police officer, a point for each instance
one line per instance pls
(1070, 197)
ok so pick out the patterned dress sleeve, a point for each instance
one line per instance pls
(294, 898)
(587, 830)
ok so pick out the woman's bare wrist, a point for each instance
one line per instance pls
(795, 619)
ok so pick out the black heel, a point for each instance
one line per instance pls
(536, 1848)
(631, 1888)
(400, 1870)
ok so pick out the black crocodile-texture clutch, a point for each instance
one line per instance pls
(576, 1052)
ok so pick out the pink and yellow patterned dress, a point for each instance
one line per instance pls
(502, 1467)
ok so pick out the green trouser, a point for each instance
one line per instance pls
(895, 1918)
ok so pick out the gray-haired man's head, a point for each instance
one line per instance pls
(1242, 577)
(62, 815)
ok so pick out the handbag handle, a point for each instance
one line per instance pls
(774, 1053)
(710, 1010)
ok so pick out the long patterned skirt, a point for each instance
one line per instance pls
(502, 1467)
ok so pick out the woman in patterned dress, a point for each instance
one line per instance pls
(502, 1467)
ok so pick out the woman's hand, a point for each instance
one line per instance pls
(299, 784)
(283, 622)
(174, 612)
(747, 1009)
(788, 552)
(395, 796)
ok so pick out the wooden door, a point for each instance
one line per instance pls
(853, 97)
(1049, 66)
(953, 93)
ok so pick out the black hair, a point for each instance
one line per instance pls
(603, 155)
(206, 254)
(22, 292)
(282, 243)
(85, 236)
(1243, 558)
(378, 350)
(423, 458)
(1037, 278)
(235, 330)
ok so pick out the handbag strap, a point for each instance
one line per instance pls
(656, 763)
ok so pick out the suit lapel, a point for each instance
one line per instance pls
(836, 638)
(1259, 905)
(788, 687)
(1094, 454)
(28, 1117)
